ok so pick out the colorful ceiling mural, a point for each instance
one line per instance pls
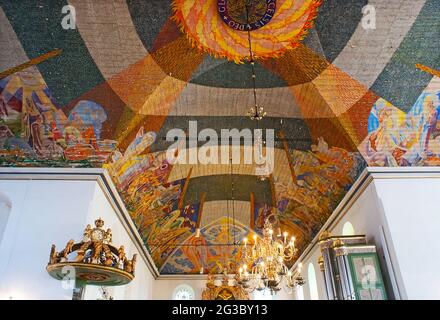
(277, 26)
(338, 96)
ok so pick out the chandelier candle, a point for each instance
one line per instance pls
(267, 260)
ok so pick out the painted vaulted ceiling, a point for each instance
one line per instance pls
(339, 94)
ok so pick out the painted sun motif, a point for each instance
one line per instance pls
(208, 30)
(236, 14)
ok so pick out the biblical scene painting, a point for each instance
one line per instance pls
(396, 138)
(36, 131)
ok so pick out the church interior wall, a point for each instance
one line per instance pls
(46, 212)
(401, 227)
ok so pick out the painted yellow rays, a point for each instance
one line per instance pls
(200, 21)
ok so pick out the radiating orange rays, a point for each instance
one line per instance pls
(329, 99)
(207, 30)
(143, 93)
(148, 90)
(297, 66)
(334, 105)
(136, 85)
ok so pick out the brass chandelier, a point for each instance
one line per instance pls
(264, 262)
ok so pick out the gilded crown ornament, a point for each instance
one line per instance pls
(95, 259)
(227, 289)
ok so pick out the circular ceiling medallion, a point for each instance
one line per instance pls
(273, 31)
(233, 13)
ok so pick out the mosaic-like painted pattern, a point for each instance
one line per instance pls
(36, 131)
(397, 138)
(212, 251)
(207, 31)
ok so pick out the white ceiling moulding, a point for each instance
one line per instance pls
(103, 179)
(358, 187)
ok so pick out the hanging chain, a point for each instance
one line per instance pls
(256, 112)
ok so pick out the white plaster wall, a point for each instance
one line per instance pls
(313, 258)
(399, 214)
(5, 210)
(413, 216)
(46, 212)
(163, 289)
(367, 217)
(141, 288)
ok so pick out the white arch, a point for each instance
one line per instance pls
(183, 292)
(348, 229)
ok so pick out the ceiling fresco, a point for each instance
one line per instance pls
(214, 26)
(338, 96)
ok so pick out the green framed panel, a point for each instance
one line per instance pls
(367, 276)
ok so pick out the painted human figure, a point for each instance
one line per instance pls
(431, 123)
(37, 137)
(3, 108)
(421, 123)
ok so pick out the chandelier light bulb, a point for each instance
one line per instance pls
(256, 113)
